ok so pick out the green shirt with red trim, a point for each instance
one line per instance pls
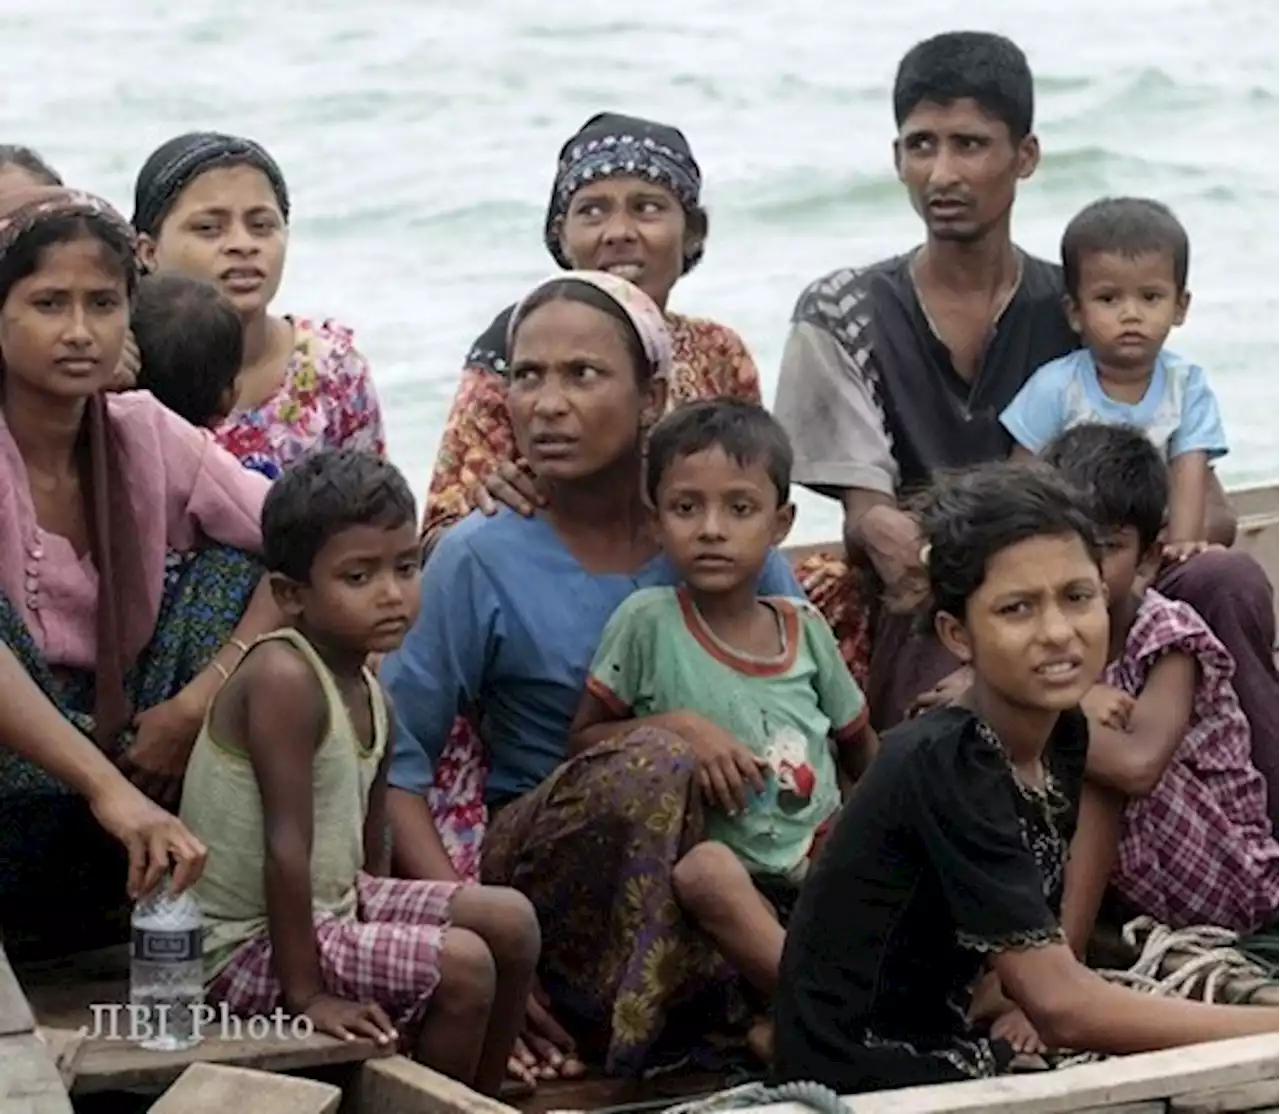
(658, 655)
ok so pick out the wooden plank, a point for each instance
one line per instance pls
(1126, 1079)
(216, 1089)
(1246, 1096)
(398, 1085)
(61, 1001)
(15, 1012)
(1156, 1106)
(114, 1065)
(29, 1082)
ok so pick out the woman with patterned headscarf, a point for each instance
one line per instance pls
(128, 581)
(512, 611)
(626, 200)
(216, 207)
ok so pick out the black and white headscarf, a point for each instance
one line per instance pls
(613, 146)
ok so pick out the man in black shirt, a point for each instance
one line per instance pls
(894, 371)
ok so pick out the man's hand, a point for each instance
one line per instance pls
(891, 540)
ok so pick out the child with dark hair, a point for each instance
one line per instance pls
(287, 786)
(763, 676)
(953, 855)
(1167, 729)
(190, 345)
(1124, 264)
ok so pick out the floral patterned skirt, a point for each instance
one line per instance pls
(46, 830)
(593, 848)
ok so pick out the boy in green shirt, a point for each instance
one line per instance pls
(756, 686)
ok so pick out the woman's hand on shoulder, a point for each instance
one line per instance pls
(508, 485)
(728, 773)
(156, 840)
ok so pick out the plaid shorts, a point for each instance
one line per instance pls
(388, 953)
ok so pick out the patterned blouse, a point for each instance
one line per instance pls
(327, 400)
(709, 361)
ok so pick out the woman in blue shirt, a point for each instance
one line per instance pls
(512, 612)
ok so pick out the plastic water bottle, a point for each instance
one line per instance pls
(166, 973)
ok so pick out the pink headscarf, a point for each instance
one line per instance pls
(641, 310)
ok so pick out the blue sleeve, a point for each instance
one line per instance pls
(439, 669)
(777, 578)
(1035, 417)
(1200, 430)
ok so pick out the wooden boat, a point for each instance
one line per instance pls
(44, 1062)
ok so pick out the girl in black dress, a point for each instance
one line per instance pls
(951, 857)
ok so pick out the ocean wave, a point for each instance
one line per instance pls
(808, 196)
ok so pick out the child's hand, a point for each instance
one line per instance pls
(726, 768)
(350, 1021)
(1108, 707)
(1013, 1026)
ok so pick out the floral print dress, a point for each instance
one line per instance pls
(326, 401)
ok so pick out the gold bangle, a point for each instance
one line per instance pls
(239, 645)
(217, 665)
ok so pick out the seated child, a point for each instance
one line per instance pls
(1124, 264)
(287, 787)
(190, 345)
(758, 684)
(1167, 729)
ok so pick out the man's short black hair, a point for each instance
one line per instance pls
(1126, 226)
(977, 65)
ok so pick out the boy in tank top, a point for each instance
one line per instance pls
(287, 787)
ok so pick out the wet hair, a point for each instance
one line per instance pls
(1121, 474)
(988, 69)
(571, 290)
(968, 518)
(747, 433)
(324, 493)
(1126, 226)
(13, 154)
(190, 344)
(23, 258)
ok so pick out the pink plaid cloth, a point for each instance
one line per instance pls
(388, 953)
(1199, 849)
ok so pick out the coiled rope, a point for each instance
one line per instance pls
(1217, 960)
